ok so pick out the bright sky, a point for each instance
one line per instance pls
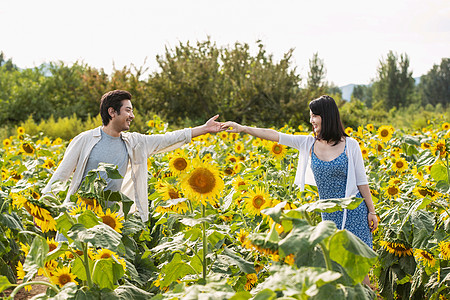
(350, 36)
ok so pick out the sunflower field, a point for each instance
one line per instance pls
(226, 222)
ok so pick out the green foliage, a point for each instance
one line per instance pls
(434, 86)
(394, 86)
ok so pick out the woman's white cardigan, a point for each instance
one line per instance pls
(356, 174)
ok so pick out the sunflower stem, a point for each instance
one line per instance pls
(205, 244)
(19, 287)
(86, 265)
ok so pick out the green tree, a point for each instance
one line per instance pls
(363, 93)
(434, 87)
(394, 86)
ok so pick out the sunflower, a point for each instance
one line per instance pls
(21, 274)
(42, 216)
(400, 165)
(446, 126)
(398, 249)
(242, 236)
(175, 205)
(385, 133)
(106, 254)
(168, 191)
(62, 276)
(239, 184)
(89, 202)
(20, 130)
(290, 259)
(179, 164)
(223, 135)
(27, 148)
(425, 257)
(25, 248)
(251, 281)
(370, 127)
(239, 147)
(229, 170)
(256, 142)
(439, 147)
(203, 183)
(423, 191)
(392, 191)
(364, 152)
(444, 248)
(49, 268)
(425, 146)
(52, 244)
(277, 150)
(233, 135)
(151, 123)
(57, 141)
(257, 200)
(48, 164)
(7, 143)
(348, 131)
(112, 219)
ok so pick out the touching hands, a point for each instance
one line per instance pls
(213, 126)
(231, 126)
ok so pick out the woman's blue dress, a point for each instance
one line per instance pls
(331, 180)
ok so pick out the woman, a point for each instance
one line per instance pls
(330, 160)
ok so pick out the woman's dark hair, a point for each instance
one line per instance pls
(332, 129)
(112, 99)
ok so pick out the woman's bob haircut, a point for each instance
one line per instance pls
(332, 129)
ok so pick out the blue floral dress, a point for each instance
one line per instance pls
(331, 180)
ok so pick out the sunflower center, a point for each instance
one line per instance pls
(258, 201)
(105, 255)
(399, 164)
(63, 279)
(392, 190)
(51, 247)
(88, 201)
(110, 221)
(180, 164)
(173, 194)
(228, 171)
(384, 133)
(27, 148)
(202, 181)
(277, 149)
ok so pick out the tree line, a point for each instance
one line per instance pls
(193, 82)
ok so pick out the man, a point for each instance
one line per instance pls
(128, 150)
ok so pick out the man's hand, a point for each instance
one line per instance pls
(212, 126)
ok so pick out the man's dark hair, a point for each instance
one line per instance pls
(332, 129)
(112, 99)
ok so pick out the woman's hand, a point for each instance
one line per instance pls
(373, 221)
(231, 126)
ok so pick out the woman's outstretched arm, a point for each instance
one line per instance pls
(262, 133)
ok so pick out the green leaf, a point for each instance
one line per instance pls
(89, 219)
(439, 172)
(331, 205)
(303, 237)
(11, 221)
(243, 295)
(351, 253)
(265, 295)
(63, 223)
(4, 283)
(79, 269)
(174, 270)
(68, 291)
(234, 259)
(275, 212)
(215, 237)
(426, 158)
(106, 272)
(36, 257)
(191, 222)
(129, 291)
(101, 236)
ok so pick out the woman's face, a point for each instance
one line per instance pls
(316, 122)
